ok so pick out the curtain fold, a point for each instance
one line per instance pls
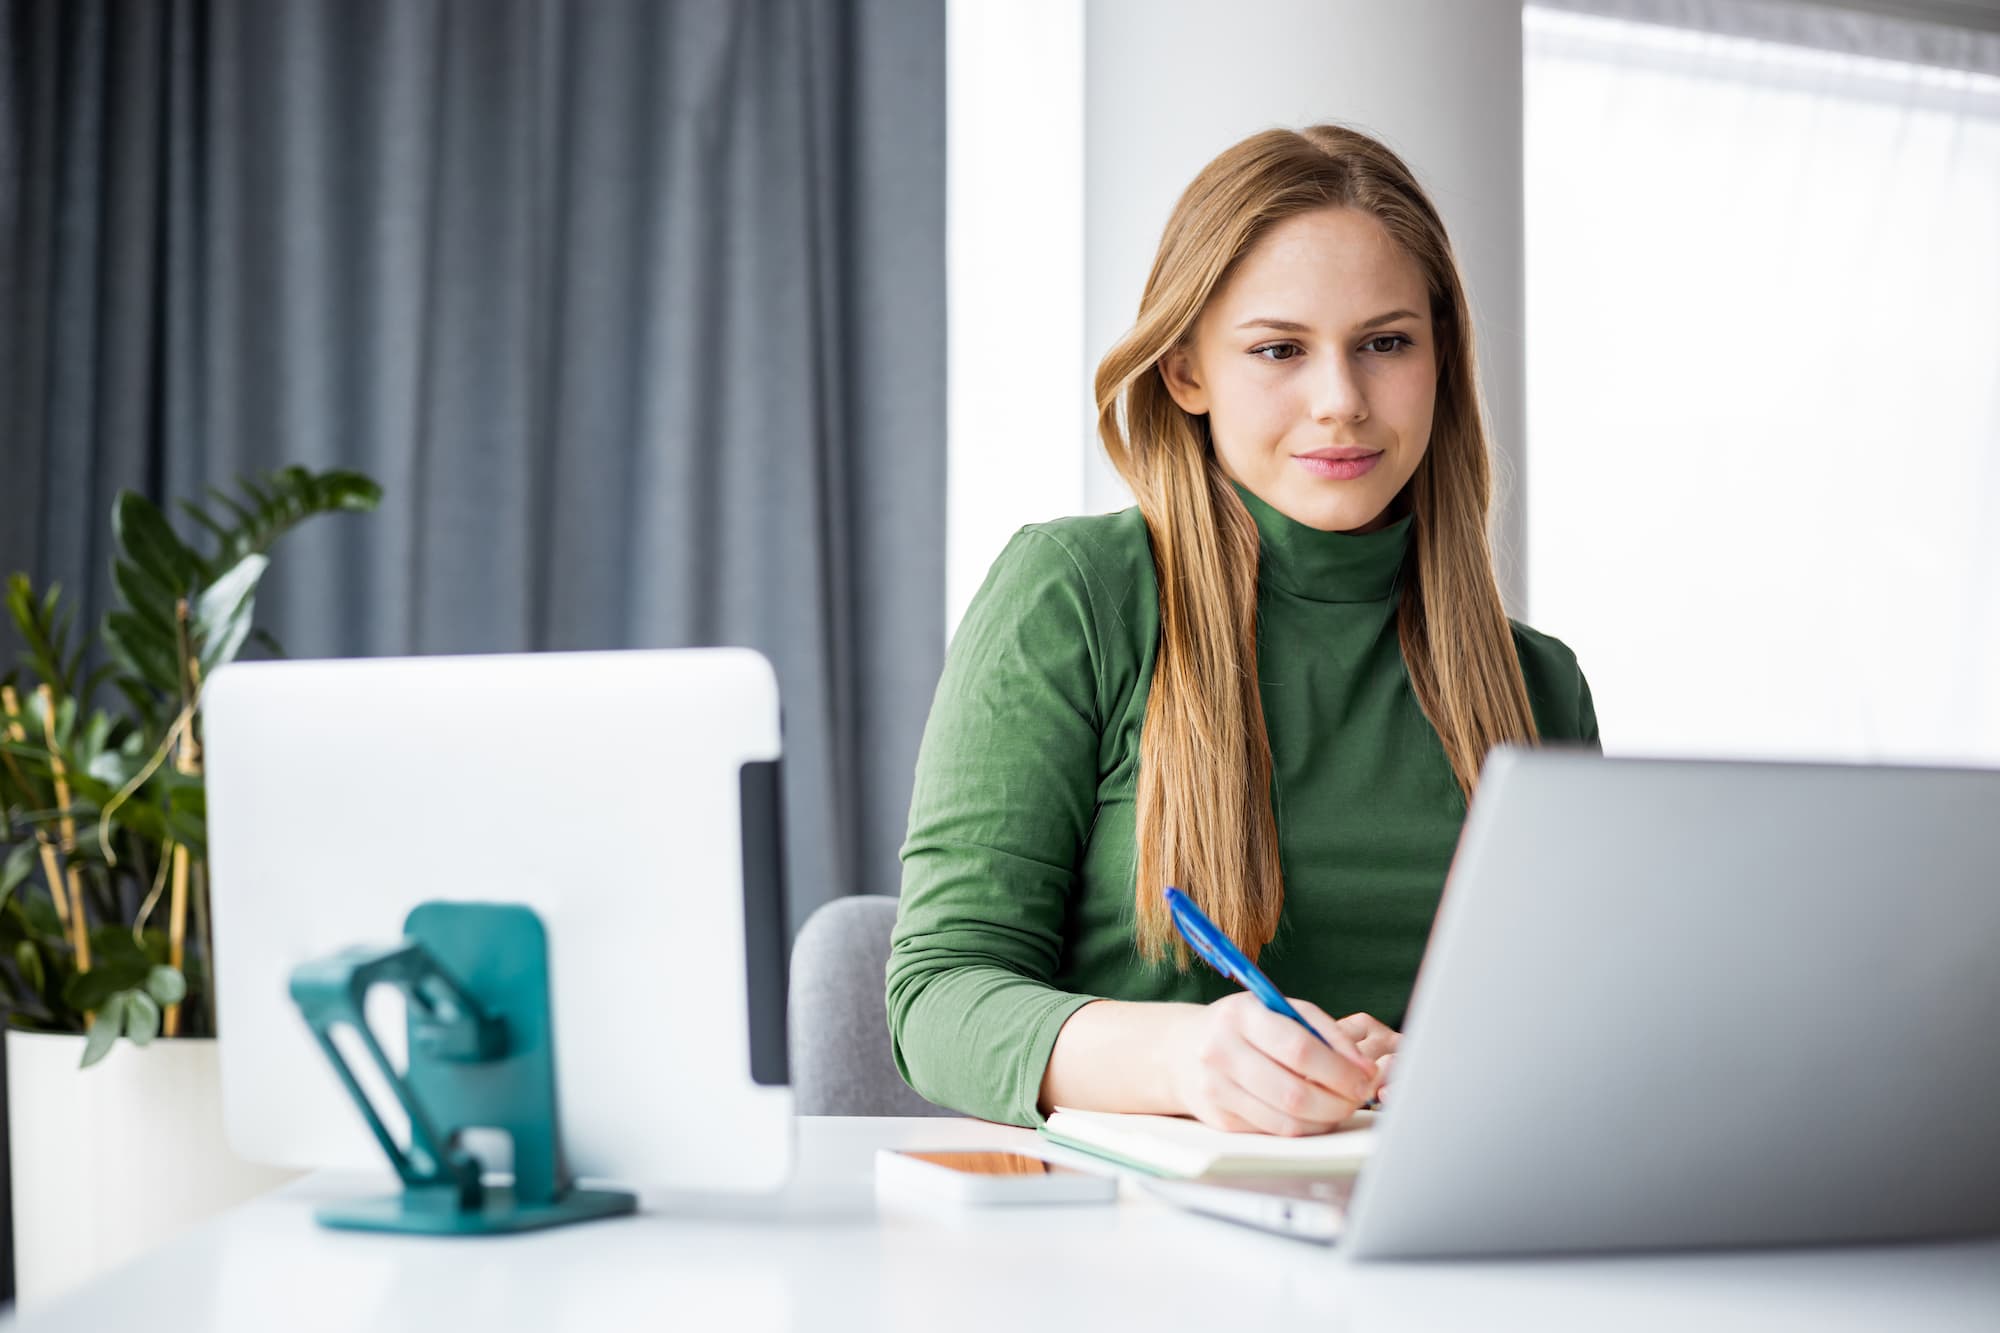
(635, 308)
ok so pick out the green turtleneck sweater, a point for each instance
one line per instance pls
(1019, 868)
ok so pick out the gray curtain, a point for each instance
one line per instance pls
(635, 308)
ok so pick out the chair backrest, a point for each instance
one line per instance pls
(840, 1057)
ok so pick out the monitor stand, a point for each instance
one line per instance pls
(475, 977)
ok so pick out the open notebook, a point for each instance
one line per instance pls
(1171, 1146)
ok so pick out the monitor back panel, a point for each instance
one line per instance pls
(604, 790)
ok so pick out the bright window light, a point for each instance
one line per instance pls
(1763, 478)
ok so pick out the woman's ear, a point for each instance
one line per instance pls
(1177, 370)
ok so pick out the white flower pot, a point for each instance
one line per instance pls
(113, 1160)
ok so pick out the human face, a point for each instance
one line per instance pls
(1315, 366)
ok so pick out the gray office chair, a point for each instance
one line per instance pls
(841, 1064)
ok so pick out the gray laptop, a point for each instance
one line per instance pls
(1675, 1004)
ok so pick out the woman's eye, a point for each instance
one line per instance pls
(1276, 347)
(1396, 343)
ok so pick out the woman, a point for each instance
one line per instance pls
(1272, 683)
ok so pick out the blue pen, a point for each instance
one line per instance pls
(1226, 958)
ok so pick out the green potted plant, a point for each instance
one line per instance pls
(104, 929)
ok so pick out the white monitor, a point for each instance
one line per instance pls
(629, 798)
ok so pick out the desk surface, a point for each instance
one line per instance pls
(826, 1254)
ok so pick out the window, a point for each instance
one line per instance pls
(1763, 478)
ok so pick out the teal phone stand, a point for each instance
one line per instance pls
(475, 977)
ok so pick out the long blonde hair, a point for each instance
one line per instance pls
(1204, 816)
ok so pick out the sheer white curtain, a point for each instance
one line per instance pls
(1763, 478)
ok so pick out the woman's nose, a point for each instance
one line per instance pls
(1338, 396)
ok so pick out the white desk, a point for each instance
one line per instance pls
(826, 1255)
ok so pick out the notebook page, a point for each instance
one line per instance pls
(1182, 1141)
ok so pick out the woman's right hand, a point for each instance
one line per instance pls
(1235, 1065)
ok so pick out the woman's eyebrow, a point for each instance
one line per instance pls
(1292, 326)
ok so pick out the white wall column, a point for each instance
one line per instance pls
(1013, 277)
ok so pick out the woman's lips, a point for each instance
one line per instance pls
(1338, 469)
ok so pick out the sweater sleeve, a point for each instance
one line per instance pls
(1557, 689)
(1586, 720)
(1005, 792)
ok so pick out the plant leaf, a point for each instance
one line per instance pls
(113, 768)
(166, 984)
(149, 541)
(29, 959)
(95, 737)
(40, 635)
(200, 515)
(150, 599)
(143, 651)
(142, 816)
(122, 971)
(352, 492)
(188, 830)
(20, 602)
(255, 492)
(110, 1023)
(282, 500)
(245, 520)
(142, 1017)
(88, 690)
(38, 910)
(34, 751)
(144, 702)
(14, 871)
(114, 944)
(222, 613)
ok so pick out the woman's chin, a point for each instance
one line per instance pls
(1340, 512)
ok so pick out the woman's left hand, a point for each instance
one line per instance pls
(1376, 1039)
